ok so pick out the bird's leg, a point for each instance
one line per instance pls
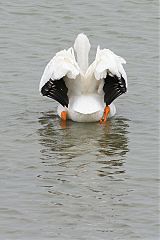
(63, 119)
(105, 114)
(64, 115)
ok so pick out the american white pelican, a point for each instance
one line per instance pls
(84, 94)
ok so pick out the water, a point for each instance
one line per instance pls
(85, 181)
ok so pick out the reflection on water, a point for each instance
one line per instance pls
(105, 145)
(83, 171)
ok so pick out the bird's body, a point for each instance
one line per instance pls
(83, 92)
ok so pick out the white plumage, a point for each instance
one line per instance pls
(82, 91)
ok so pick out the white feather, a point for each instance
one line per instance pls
(82, 48)
(108, 62)
(63, 64)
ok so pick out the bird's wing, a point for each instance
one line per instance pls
(108, 68)
(52, 83)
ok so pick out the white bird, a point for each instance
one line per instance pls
(84, 94)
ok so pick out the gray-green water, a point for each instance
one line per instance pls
(85, 181)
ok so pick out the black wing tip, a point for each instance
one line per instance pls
(113, 88)
(56, 90)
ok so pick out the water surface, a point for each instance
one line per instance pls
(82, 181)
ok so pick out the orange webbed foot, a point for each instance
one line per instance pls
(64, 115)
(105, 115)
